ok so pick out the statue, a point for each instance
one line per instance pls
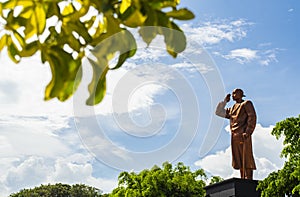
(242, 118)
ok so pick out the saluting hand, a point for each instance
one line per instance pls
(227, 98)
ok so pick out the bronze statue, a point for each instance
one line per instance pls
(242, 118)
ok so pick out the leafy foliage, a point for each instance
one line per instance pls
(287, 180)
(65, 31)
(179, 181)
(166, 181)
(59, 190)
(215, 179)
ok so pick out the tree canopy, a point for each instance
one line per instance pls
(65, 32)
(286, 181)
(60, 190)
(167, 181)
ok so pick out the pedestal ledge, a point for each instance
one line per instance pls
(233, 187)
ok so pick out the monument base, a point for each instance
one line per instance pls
(233, 187)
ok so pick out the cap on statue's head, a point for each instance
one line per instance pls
(240, 90)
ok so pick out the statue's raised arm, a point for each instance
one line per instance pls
(220, 110)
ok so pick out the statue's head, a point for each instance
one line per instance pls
(237, 94)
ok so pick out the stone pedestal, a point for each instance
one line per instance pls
(233, 187)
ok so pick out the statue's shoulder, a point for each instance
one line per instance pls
(247, 102)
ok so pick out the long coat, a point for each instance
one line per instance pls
(242, 118)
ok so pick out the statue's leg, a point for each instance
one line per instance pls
(242, 173)
(249, 174)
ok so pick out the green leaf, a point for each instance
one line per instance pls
(33, 18)
(11, 24)
(85, 6)
(29, 50)
(11, 4)
(163, 4)
(88, 24)
(66, 74)
(12, 50)
(97, 87)
(110, 27)
(123, 42)
(113, 25)
(149, 32)
(52, 10)
(181, 14)
(125, 4)
(69, 9)
(3, 41)
(40, 18)
(74, 43)
(123, 57)
(135, 19)
(70, 13)
(29, 31)
(17, 22)
(174, 38)
(19, 38)
(133, 15)
(78, 27)
(126, 45)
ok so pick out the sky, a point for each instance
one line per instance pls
(157, 108)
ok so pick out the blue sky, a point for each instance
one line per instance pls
(157, 108)
(274, 28)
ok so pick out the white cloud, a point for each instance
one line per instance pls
(22, 88)
(106, 185)
(245, 55)
(242, 55)
(266, 145)
(217, 164)
(35, 170)
(78, 168)
(264, 167)
(129, 88)
(104, 149)
(210, 33)
(30, 172)
(194, 67)
(31, 136)
(138, 98)
(72, 170)
(151, 53)
(266, 152)
(42, 150)
(268, 57)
